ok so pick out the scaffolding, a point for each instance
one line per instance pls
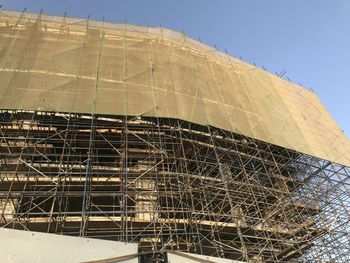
(169, 184)
(143, 135)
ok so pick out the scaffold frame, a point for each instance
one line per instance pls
(169, 184)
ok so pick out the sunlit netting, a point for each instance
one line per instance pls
(51, 63)
(170, 184)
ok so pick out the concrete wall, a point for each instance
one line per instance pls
(25, 246)
(175, 258)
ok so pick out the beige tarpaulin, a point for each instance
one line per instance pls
(78, 65)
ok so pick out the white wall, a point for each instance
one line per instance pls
(25, 246)
(177, 258)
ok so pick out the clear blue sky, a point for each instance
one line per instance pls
(308, 38)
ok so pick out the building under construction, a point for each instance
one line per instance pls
(143, 135)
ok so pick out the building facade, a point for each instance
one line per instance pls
(145, 136)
